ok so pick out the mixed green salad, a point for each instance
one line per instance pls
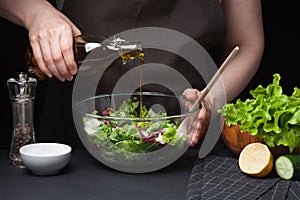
(270, 115)
(136, 136)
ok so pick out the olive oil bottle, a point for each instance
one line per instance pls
(127, 51)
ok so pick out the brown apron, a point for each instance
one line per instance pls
(202, 20)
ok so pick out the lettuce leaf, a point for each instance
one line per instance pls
(270, 115)
(121, 136)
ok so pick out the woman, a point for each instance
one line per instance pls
(213, 23)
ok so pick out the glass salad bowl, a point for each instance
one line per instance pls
(133, 132)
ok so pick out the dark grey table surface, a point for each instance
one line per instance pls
(85, 178)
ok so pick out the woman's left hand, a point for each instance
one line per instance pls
(200, 122)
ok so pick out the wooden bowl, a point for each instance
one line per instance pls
(236, 140)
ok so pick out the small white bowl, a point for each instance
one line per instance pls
(45, 158)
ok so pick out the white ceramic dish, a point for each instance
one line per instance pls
(45, 158)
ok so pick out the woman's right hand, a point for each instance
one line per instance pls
(51, 38)
(199, 124)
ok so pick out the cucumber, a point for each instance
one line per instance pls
(288, 166)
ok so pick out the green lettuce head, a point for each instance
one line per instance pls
(269, 115)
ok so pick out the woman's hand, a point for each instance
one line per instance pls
(200, 123)
(50, 34)
(51, 38)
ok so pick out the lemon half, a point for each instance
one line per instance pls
(256, 160)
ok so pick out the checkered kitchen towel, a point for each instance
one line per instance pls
(219, 177)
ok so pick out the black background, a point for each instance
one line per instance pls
(281, 21)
